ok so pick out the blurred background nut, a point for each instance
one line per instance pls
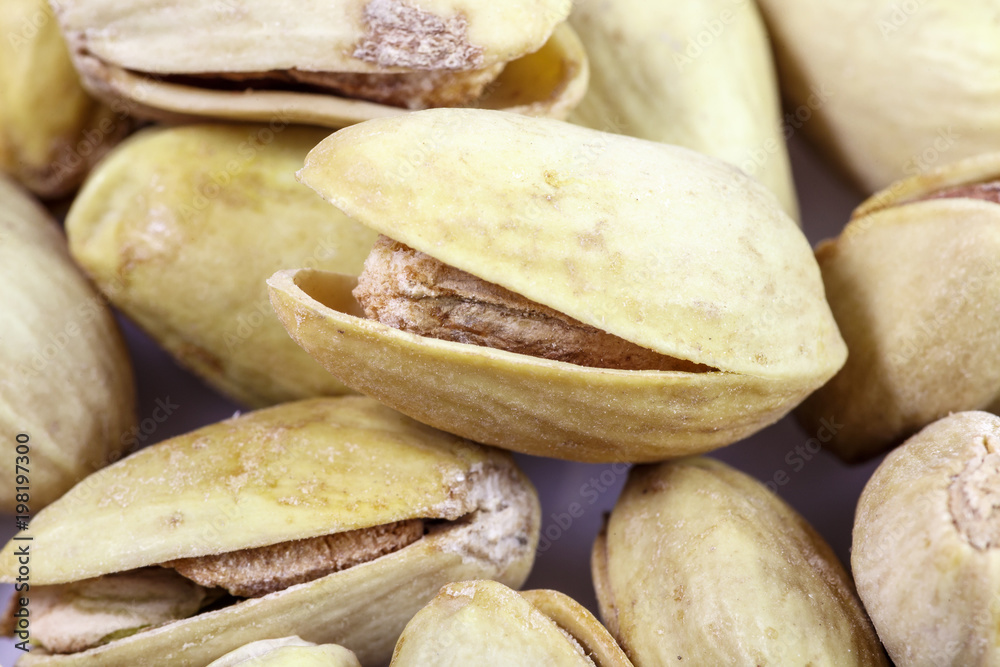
(694, 74)
(51, 131)
(67, 384)
(181, 227)
(288, 652)
(700, 564)
(914, 283)
(926, 547)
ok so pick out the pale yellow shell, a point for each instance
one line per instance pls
(288, 652)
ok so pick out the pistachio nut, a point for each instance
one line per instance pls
(701, 564)
(888, 89)
(288, 652)
(720, 99)
(344, 62)
(913, 281)
(562, 292)
(334, 519)
(180, 228)
(51, 131)
(485, 623)
(67, 398)
(926, 545)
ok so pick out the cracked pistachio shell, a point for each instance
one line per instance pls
(286, 473)
(288, 652)
(486, 623)
(887, 88)
(914, 287)
(664, 247)
(126, 51)
(51, 131)
(67, 383)
(721, 99)
(181, 227)
(700, 563)
(926, 545)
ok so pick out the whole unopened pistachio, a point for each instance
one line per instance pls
(559, 291)
(926, 547)
(288, 652)
(67, 399)
(914, 282)
(700, 564)
(334, 519)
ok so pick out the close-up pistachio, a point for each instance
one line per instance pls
(334, 519)
(701, 564)
(67, 397)
(653, 76)
(332, 65)
(926, 547)
(288, 652)
(914, 282)
(559, 291)
(181, 227)
(486, 623)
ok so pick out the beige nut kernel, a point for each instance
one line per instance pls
(288, 652)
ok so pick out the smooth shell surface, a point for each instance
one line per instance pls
(181, 227)
(67, 392)
(702, 564)
(288, 652)
(593, 225)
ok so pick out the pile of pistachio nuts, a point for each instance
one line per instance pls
(483, 283)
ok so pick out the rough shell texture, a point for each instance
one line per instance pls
(592, 225)
(651, 77)
(914, 287)
(858, 96)
(926, 549)
(288, 652)
(67, 381)
(294, 471)
(181, 227)
(702, 564)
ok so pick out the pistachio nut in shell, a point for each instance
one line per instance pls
(288, 652)
(486, 623)
(654, 253)
(331, 65)
(926, 544)
(334, 519)
(51, 131)
(181, 227)
(913, 281)
(701, 563)
(853, 72)
(721, 100)
(67, 398)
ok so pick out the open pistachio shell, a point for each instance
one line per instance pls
(288, 652)
(67, 395)
(51, 131)
(926, 545)
(914, 285)
(288, 473)
(486, 623)
(889, 89)
(148, 54)
(180, 228)
(661, 246)
(700, 564)
(652, 77)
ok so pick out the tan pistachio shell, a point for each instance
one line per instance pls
(290, 472)
(889, 89)
(666, 248)
(694, 74)
(51, 131)
(926, 547)
(180, 228)
(67, 391)
(125, 52)
(700, 564)
(486, 623)
(288, 652)
(914, 287)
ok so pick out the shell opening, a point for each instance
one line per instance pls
(986, 191)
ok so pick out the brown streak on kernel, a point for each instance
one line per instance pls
(988, 191)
